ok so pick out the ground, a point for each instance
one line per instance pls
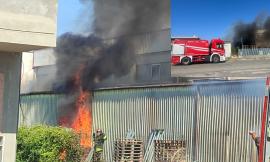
(235, 68)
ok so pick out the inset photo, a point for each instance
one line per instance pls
(210, 41)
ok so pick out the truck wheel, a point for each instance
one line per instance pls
(216, 59)
(186, 61)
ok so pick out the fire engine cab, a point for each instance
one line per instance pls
(194, 50)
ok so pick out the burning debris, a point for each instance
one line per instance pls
(83, 61)
(254, 33)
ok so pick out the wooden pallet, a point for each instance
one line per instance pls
(170, 150)
(128, 151)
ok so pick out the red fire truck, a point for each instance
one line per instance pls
(194, 50)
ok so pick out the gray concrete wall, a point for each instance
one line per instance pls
(153, 49)
(156, 54)
(27, 24)
(2, 82)
(10, 70)
(38, 71)
(10, 67)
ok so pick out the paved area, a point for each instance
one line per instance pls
(236, 67)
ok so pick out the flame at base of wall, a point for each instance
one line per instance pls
(81, 122)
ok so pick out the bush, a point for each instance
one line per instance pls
(47, 144)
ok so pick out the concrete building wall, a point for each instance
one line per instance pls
(38, 71)
(260, 40)
(27, 74)
(27, 24)
(44, 67)
(10, 70)
(152, 64)
(2, 82)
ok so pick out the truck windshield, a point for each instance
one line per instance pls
(220, 46)
(178, 49)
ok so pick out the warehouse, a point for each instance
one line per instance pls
(212, 118)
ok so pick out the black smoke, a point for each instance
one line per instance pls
(245, 34)
(110, 48)
(267, 28)
(256, 33)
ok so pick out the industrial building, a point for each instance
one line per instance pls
(152, 64)
(152, 60)
(24, 25)
(260, 40)
(212, 118)
(260, 48)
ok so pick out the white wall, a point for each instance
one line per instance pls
(228, 49)
(27, 73)
(44, 57)
(38, 71)
(8, 143)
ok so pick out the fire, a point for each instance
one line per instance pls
(82, 121)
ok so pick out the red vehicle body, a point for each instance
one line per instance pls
(187, 51)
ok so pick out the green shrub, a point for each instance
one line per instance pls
(47, 144)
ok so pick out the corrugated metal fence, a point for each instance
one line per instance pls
(254, 52)
(223, 126)
(214, 119)
(38, 109)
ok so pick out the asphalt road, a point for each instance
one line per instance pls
(235, 68)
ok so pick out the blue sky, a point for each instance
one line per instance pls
(212, 18)
(68, 15)
(204, 18)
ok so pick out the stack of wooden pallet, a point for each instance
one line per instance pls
(170, 151)
(128, 150)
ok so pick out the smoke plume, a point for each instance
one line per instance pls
(254, 33)
(110, 48)
(106, 48)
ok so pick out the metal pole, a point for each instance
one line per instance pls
(264, 120)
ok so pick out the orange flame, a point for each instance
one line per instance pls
(82, 122)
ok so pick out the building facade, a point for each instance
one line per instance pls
(24, 25)
(261, 41)
(151, 63)
(213, 118)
